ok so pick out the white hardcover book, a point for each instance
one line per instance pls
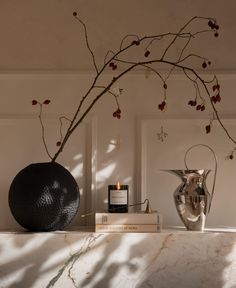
(128, 218)
(127, 228)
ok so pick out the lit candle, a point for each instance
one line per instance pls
(118, 198)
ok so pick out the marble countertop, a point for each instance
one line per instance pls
(81, 258)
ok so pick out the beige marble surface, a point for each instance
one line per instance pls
(173, 258)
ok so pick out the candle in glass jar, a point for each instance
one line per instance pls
(118, 198)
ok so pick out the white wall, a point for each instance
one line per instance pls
(21, 141)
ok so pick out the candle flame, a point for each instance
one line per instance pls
(118, 185)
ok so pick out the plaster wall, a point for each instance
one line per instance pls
(21, 137)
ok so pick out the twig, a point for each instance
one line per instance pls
(88, 100)
(43, 130)
(87, 42)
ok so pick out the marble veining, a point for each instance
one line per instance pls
(73, 258)
(84, 259)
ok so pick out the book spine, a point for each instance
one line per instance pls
(127, 228)
(128, 218)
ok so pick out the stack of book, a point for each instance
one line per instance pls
(128, 222)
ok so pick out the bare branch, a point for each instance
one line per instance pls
(43, 130)
(88, 100)
(108, 52)
(86, 39)
(189, 56)
(181, 29)
(128, 36)
(61, 124)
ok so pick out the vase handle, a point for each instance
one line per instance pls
(216, 164)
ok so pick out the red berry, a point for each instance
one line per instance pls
(74, 13)
(114, 114)
(210, 23)
(165, 86)
(198, 107)
(111, 64)
(58, 143)
(46, 101)
(118, 111)
(215, 26)
(218, 98)
(146, 54)
(135, 42)
(208, 129)
(213, 99)
(190, 102)
(204, 65)
(218, 87)
(202, 107)
(209, 62)
(118, 116)
(231, 156)
(34, 102)
(114, 67)
(162, 105)
(216, 34)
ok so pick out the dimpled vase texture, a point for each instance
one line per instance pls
(44, 197)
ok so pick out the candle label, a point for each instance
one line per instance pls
(118, 197)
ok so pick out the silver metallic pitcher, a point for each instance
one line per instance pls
(192, 199)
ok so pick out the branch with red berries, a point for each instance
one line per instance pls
(149, 57)
(45, 102)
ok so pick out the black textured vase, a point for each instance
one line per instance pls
(44, 197)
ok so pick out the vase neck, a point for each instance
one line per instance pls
(188, 175)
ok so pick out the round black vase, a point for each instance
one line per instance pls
(44, 197)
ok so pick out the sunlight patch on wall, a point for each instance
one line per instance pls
(114, 144)
(77, 157)
(77, 171)
(81, 191)
(127, 180)
(104, 174)
(111, 146)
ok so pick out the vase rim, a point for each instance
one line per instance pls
(185, 172)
